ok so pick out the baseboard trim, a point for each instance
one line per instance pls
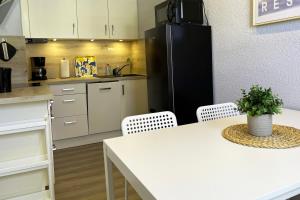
(89, 139)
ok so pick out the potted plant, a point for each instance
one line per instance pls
(260, 104)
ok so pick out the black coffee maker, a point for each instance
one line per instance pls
(5, 79)
(39, 71)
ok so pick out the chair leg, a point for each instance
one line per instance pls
(126, 190)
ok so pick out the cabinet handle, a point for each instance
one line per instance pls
(123, 90)
(105, 88)
(5, 51)
(68, 89)
(112, 29)
(54, 147)
(51, 109)
(73, 28)
(105, 29)
(69, 100)
(70, 123)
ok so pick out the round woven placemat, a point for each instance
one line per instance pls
(283, 137)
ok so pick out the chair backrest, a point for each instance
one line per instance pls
(218, 111)
(148, 122)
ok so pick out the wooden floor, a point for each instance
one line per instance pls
(80, 175)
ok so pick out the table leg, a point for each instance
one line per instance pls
(108, 176)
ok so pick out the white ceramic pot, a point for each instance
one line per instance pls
(260, 126)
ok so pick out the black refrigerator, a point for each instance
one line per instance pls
(179, 69)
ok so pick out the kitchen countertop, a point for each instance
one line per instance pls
(26, 94)
(87, 80)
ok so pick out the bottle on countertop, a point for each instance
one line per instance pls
(108, 70)
(64, 68)
(5, 79)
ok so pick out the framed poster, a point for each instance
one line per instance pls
(270, 11)
(85, 66)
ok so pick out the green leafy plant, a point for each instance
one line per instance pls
(259, 101)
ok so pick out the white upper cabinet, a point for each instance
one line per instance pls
(92, 19)
(25, 18)
(83, 19)
(123, 19)
(53, 18)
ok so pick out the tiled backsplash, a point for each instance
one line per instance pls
(106, 52)
(139, 57)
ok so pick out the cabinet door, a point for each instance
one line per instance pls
(25, 18)
(69, 105)
(104, 107)
(53, 18)
(134, 98)
(92, 19)
(68, 89)
(123, 19)
(69, 127)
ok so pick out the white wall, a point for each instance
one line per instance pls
(12, 23)
(244, 55)
(146, 15)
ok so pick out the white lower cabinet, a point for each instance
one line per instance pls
(104, 107)
(68, 89)
(69, 111)
(134, 99)
(95, 108)
(26, 157)
(37, 180)
(69, 127)
(70, 105)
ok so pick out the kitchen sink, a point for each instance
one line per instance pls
(122, 75)
(105, 76)
(126, 75)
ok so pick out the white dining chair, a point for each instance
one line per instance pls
(145, 124)
(218, 111)
(148, 122)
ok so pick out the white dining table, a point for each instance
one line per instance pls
(194, 162)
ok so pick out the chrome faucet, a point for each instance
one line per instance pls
(117, 70)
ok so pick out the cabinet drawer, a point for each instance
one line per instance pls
(69, 105)
(15, 186)
(68, 89)
(69, 127)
